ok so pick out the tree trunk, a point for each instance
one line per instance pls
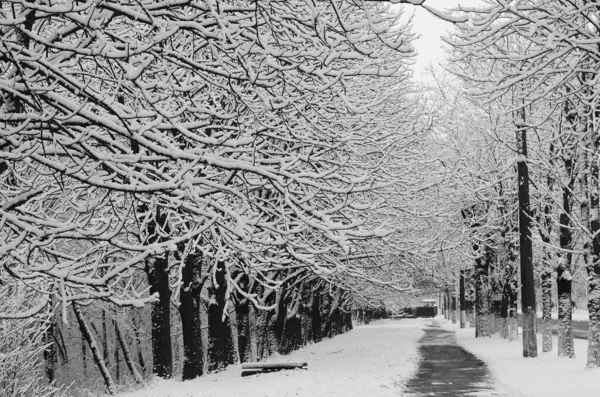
(127, 355)
(253, 338)
(220, 342)
(565, 320)
(105, 349)
(592, 256)
(260, 330)
(50, 350)
(189, 311)
(316, 317)
(84, 356)
(593, 353)
(505, 326)
(334, 315)
(496, 316)
(158, 278)
(471, 314)
(547, 311)
(513, 322)
(526, 251)
(564, 277)
(444, 307)
(117, 365)
(85, 332)
(279, 318)
(463, 308)
(481, 296)
(138, 341)
(448, 305)
(453, 307)
(306, 305)
(244, 334)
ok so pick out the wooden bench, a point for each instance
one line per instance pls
(259, 368)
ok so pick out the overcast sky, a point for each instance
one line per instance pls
(429, 45)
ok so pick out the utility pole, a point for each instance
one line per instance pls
(526, 252)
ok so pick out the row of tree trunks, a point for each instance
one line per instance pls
(304, 313)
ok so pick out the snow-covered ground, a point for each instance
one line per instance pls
(544, 376)
(372, 360)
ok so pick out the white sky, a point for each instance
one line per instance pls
(431, 28)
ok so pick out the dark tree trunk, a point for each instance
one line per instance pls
(292, 335)
(84, 356)
(50, 350)
(528, 306)
(316, 318)
(158, 278)
(220, 341)
(349, 325)
(105, 349)
(157, 270)
(117, 364)
(504, 311)
(325, 310)
(244, 334)
(280, 317)
(305, 313)
(512, 314)
(292, 330)
(189, 311)
(453, 307)
(334, 315)
(463, 307)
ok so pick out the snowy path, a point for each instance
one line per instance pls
(372, 360)
(447, 369)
